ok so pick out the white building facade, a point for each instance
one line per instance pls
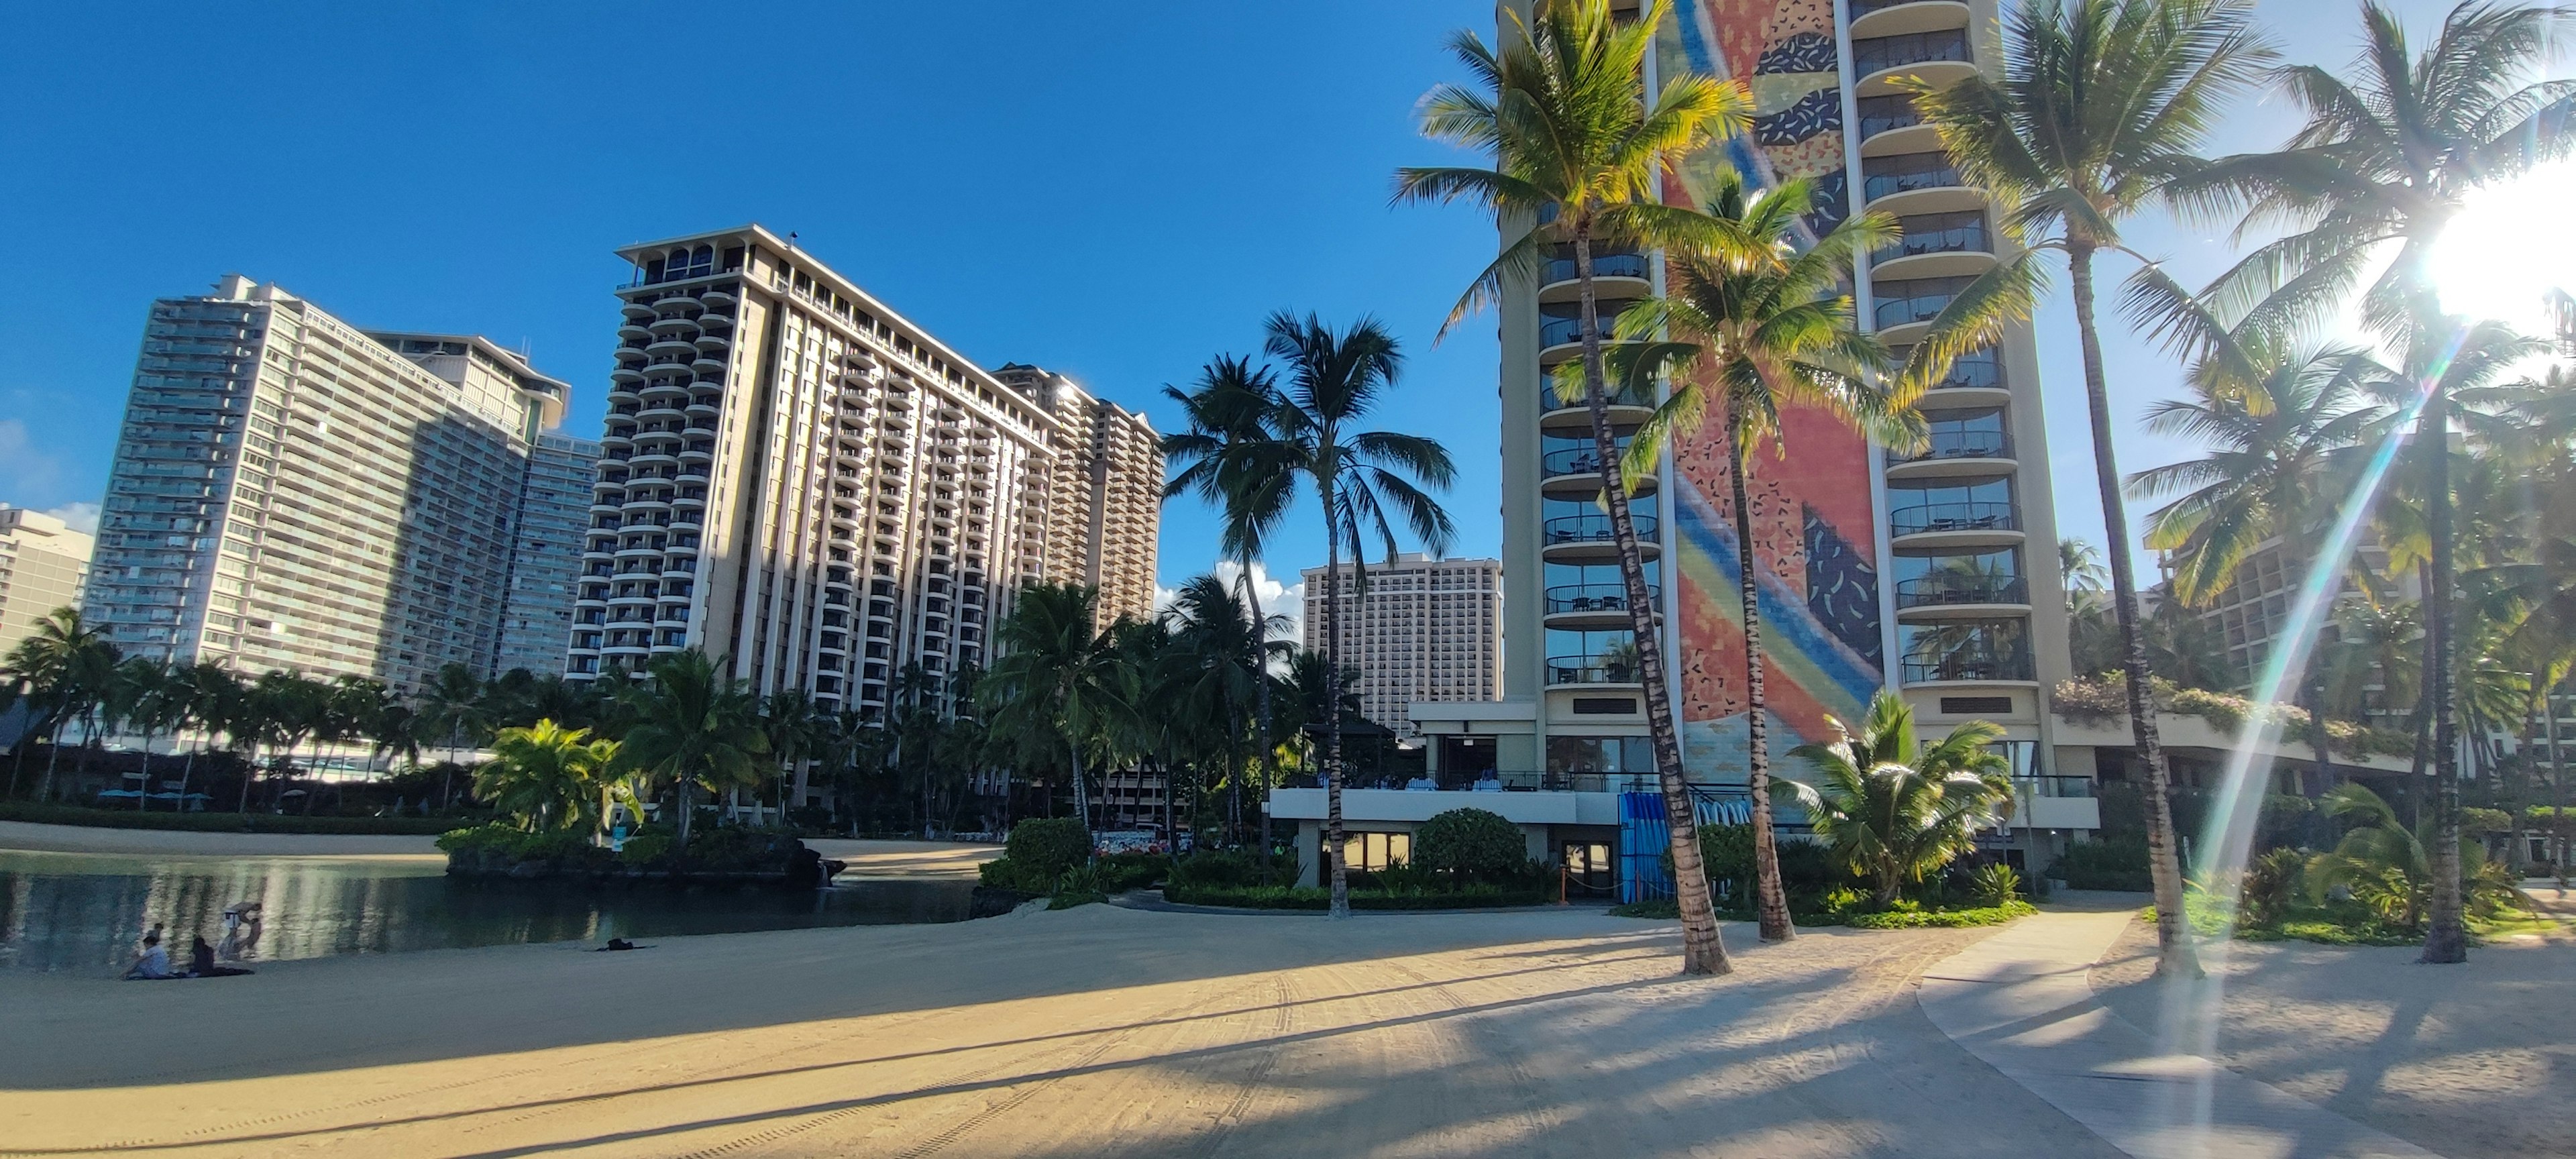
(44, 565)
(1424, 630)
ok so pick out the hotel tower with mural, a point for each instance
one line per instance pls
(1933, 573)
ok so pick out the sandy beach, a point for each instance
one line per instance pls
(1088, 1032)
(2469, 1060)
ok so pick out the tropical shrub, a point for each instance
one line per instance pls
(2478, 820)
(1080, 885)
(1896, 811)
(2386, 867)
(1995, 883)
(2118, 863)
(1120, 872)
(2104, 700)
(1471, 845)
(1227, 868)
(1036, 855)
(2270, 886)
(1918, 918)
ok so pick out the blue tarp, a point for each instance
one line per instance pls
(1644, 835)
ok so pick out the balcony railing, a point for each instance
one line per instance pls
(1565, 598)
(1959, 444)
(1882, 176)
(1885, 52)
(1918, 306)
(1886, 114)
(1612, 264)
(1593, 529)
(1935, 591)
(1937, 233)
(1577, 461)
(1978, 371)
(1967, 664)
(1924, 518)
(2051, 786)
(1592, 670)
(1548, 400)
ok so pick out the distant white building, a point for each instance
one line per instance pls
(43, 566)
(1425, 630)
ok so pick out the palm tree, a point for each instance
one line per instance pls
(788, 715)
(1751, 334)
(1894, 810)
(694, 727)
(545, 775)
(139, 698)
(2101, 105)
(1060, 685)
(1218, 661)
(2395, 870)
(67, 667)
(2087, 581)
(1334, 379)
(2391, 147)
(2273, 436)
(1579, 153)
(215, 704)
(455, 707)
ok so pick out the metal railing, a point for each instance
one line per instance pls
(1905, 174)
(1591, 670)
(1886, 52)
(1980, 370)
(1592, 528)
(1565, 598)
(1967, 665)
(1575, 461)
(1919, 307)
(1923, 518)
(1548, 400)
(1604, 265)
(1934, 591)
(1959, 444)
(2053, 786)
(1937, 233)
(1886, 114)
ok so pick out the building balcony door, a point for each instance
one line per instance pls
(1589, 871)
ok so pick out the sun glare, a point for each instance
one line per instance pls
(2508, 248)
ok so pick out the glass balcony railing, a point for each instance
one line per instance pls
(1565, 529)
(1612, 264)
(1886, 52)
(1565, 598)
(1933, 591)
(1966, 664)
(1548, 399)
(1579, 461)
(1886, 114)
(1936, 233)
(1592, 669)
(1884, 176)
(1959, 444)
(1925, 518)
(1976, 371)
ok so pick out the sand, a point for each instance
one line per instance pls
(2469, 1060)
(1095, 1031)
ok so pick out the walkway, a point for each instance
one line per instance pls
(2023, 1002)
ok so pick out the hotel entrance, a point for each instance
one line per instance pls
(1589, 871)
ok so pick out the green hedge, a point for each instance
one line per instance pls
(1315, 898)
(222, 822)
(2117, 864)
(1666, 909)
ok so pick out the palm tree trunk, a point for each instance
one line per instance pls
(179, 804)
(1261, 701)
(250, 772)
(1771, 902)
(1340, 907)
(1703, 952)
(1081, 797)
(53, 753)
(2312, 689)
(688, 812)
(2446, 936)
(144, 792)
(2164, 865)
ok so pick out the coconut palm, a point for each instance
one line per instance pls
(1894, 810)
(695, 727)
(1218, 661)
(1360, 478)
(455, 707)
(1748, 336)
(2392, 146)
(547, 776)
(215, 701)
(140, 697)
(66, 668)
(1579, 153)
(788, 716)
(1061, 685)
(2391, 868)
(2101, 105)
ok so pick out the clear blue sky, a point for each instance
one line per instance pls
(1115, 190)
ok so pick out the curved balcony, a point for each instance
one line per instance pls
(625, 376)
(707, 365)
(1967, 666)
(1588, 537)
(634, 332)
(713, 343)
(1936, 245)
(1962, 594)
(1617, 274)
(668, 368)
(636, 310)
(1876, 18)
(1913, 183)
(715, 321)
(677, 303)
(1963, 523)
(675, 326)
(716, 297)
(630, 355)
(1559, 417)
(1897, 304)
(1937, 57)
(671, 348)
(1575, 473)
(1954, 452)
(1560, 339)
(1593, 605)
(1592, 670)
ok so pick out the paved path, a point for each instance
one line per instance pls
(2023, 1002)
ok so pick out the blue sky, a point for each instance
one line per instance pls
(1115, 190)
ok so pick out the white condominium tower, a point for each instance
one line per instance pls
(292, 492)
(42, 567)
(1426, 630)
(799, 480)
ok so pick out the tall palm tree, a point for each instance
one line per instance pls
(695, 727)
(1579, 151)
(2391, 147)
(1226, 411)
(788, 715)
(456, 707)
(2101, 105)
(1219, 662)
(216, 703)
(2273, 436)
(1060, 684)
(1750, 334)
(1360, 479)
(1894, 809)
(139, 698)
(546, 775)
(67, 667)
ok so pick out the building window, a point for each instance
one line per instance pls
(1376, 851)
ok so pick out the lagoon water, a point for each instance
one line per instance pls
(85, 913)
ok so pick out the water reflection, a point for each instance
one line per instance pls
(83, 912)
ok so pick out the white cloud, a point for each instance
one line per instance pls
(80, 517)
(1276, 598)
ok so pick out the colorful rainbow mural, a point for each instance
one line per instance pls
(1813, 521)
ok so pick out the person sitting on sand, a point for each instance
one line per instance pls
(201, 962)
(155, 962)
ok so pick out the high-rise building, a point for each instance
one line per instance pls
(801, 481)
(1425, 630)
(545, 554)
(292, 492)
(43, 565)
(1103, 494)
